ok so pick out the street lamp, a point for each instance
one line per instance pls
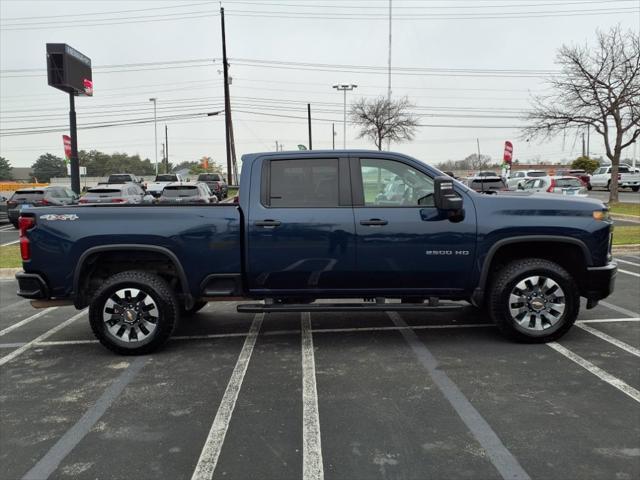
(344, 87)
(155, 127)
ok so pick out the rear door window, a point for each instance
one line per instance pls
(304, 183)
(28, 196)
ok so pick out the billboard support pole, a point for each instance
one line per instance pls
(74, 164)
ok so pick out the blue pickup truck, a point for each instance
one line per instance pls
(375, 231)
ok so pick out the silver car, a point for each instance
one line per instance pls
(563, 185)
(126, 193)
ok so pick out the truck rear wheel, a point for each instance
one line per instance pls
(134, 313)
(533, 300)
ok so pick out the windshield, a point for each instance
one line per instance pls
(487, 184)
(28, 195)
(568, 182)
(212, 177)
(166, 178)
(180, 191)
(119, 178)
(103, 192)
(537, 174)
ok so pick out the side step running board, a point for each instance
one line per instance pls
(347, 307)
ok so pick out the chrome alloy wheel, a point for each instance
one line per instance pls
(537, 303)
(130, 315)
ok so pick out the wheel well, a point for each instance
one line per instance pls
(569, 256)
(99, 266)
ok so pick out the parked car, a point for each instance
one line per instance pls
(187, 193)
(36, 197)
(485, 173)
(216, 184)
(563, 185)
(120, 178)
(626, 178)
(4, 217)
(306, 229)
(130, 193)
(155, 188)
(520, 176)
(581, 174)
(487, 184)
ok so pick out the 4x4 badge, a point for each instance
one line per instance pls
(67, 216)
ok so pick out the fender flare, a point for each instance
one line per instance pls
(184, 284)
(477, 297)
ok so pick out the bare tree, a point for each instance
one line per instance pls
(382, 119)
(598, 88)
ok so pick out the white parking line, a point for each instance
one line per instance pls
(26, 320)
(605, 320)
(7, 228)
(72, 437)
(211, 450)
(597, 371)
(14, 304)
(502, 459)
(618, 309)
(608, 338)
(312, 468)
(47, 334)
(627, 262)
(629, 273)
(9, 243)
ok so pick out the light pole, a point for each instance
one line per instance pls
(344, 87)
(155, 127)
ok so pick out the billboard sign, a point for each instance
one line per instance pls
(68, 69)
(66, 140)
(508, 152)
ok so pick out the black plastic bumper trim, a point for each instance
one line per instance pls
(31, 286)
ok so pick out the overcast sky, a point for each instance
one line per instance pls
(466, 64)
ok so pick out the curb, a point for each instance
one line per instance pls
(628, 218)
(631, 248)
(9, 272)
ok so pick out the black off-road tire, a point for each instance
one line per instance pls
(509, 276)
(635, 189)
(162, 295)
(187, 312)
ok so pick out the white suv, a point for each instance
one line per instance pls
(519, 177)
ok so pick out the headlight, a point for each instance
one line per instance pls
(601, 215)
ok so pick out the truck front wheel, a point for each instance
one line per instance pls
(533, 300)
(134, 313)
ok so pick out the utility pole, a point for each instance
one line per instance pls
(588, 141)
(344, 87)
(309, 122)
(74, 163)
(478, 142)
(389, 73)
(583, 146)
(155, 129)
(166, 149)
(333, 136)
(231, 149)
(163, 157)
(277, 147)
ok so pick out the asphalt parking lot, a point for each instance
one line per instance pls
(335, 396)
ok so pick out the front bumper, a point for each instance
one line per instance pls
(32, 286)
(600, 282)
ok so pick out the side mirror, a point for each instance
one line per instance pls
(445, 196)
(141, 179)
(520, 186)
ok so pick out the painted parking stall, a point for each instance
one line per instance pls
(325, 395)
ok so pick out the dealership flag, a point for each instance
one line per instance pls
(508, 152)
(88, 87)
(66, 139)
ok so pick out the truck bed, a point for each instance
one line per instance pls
(203, 238)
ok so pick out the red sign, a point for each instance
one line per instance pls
(88, 87)
(508, 152)
(66, 140)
